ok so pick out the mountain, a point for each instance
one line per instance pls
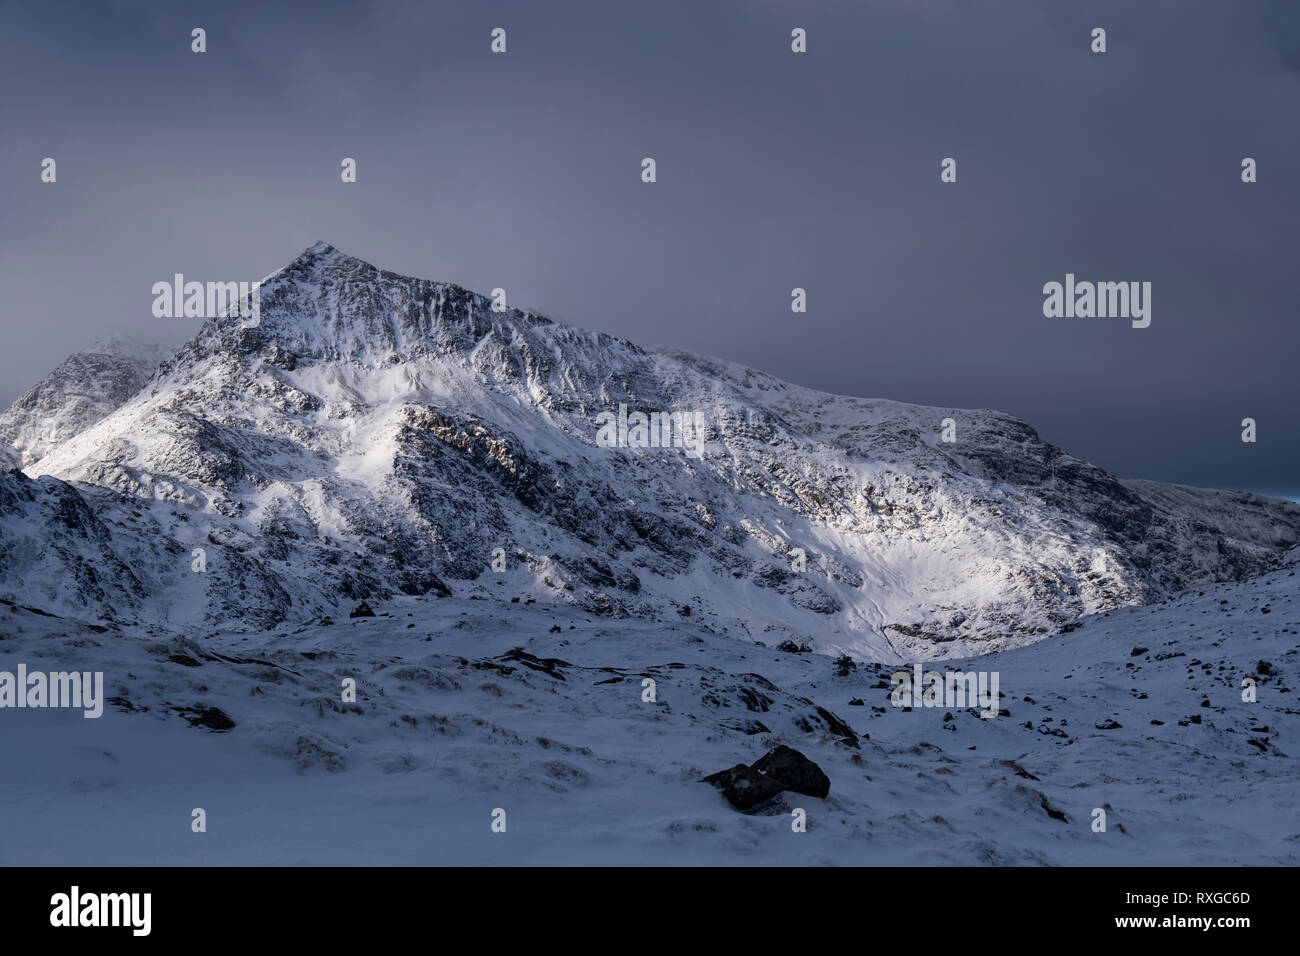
(383, 438)
(83, 389)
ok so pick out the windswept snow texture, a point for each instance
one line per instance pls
(576, 635)
(465, 707)
(82, 390)
(375, 435)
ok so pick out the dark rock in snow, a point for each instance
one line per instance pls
(745, 726)
(744, 787)
(838, 727)
(780, 769)
(794, 771)
(209, 717)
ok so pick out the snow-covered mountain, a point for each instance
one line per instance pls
(83, 389)
(374, 435)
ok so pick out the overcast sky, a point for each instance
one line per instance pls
(775, 170)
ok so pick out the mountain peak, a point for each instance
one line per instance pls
(328, 305)
(321, 255)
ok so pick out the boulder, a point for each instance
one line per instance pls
(745, 787)
(794, 772)
(778, 770)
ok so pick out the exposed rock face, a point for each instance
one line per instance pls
(52, 546)
(374, 436)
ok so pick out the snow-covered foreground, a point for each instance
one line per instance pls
(450, 725)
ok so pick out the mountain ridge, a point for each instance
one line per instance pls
(376, 436)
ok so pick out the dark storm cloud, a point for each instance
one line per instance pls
(775, 171)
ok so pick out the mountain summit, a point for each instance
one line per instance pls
(379, 437)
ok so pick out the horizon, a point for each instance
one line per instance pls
(136, 338)
(823, 171)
